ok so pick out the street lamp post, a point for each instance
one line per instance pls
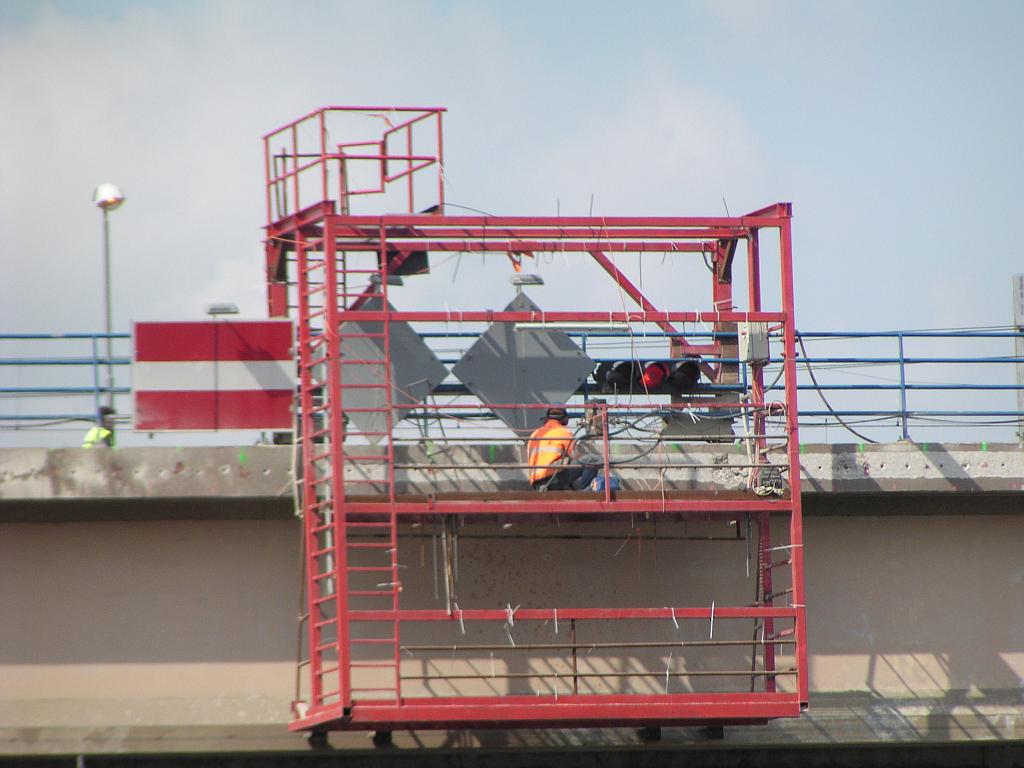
(108, 197)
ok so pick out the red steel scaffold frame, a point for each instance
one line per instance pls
(323, 265)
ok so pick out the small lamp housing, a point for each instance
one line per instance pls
(108, 197)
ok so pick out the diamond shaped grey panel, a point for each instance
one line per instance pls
(524, 366)
(415, 370)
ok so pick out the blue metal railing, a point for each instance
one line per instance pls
(995, 374)
(65, 385)
(64, 369)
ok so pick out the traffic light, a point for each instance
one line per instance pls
(615, 377)
(656, 377)
(684, 376)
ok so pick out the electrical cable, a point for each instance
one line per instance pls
(634, 457)
(467, 208)
(817, 388)
(707, 263)
(17, 427)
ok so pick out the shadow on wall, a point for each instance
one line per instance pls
(849, 468)
(919, 610)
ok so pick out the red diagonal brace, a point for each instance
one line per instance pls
(679, 343)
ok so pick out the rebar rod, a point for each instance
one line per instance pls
(526, 675)
(592, 646)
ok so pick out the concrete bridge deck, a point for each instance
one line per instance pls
(38, 484)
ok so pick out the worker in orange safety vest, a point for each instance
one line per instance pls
(549, 448)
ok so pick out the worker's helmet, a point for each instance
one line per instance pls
(559, 414)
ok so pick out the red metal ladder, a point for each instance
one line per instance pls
(318, 436)
(364, 465)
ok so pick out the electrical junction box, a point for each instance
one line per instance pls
(753, 339)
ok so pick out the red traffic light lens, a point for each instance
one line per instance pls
(654, 375)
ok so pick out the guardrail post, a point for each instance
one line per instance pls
(95, 380)
(1018, 348)
(903, 392)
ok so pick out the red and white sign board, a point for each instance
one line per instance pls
(224, 374)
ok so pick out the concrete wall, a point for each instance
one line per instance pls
(258, 474)
(193, 622)
(148, 622)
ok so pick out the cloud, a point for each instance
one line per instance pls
(171, 107)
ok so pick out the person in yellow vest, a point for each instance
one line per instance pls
(103, 432)
(549, 449)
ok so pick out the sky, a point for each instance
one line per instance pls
(892, 127)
